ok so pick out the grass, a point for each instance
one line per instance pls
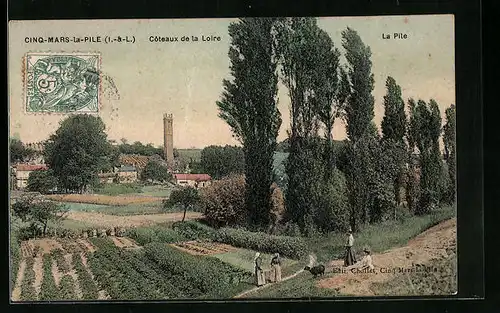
(156, 191)
(301, 286)
(114, 189)
(378, 237)
(122, 210)
(244, 259)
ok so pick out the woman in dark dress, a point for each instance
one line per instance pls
(350, 257)
(276, 265)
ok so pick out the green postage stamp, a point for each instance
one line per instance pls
(62, 82)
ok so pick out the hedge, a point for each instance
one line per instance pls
(194, 230)
(292, 247)
(145, 235)
(214, 278)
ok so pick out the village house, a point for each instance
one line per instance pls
(193, 180)
(127, 174)
(21, 172)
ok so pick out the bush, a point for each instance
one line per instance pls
(293, 247)
(194, 230)
(145, 235)
(224, 202)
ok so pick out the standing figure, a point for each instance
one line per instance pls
(259, 272)
(276, 265)
(350, 257)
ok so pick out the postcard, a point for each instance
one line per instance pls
(229, 159)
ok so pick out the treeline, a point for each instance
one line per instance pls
(363, 180)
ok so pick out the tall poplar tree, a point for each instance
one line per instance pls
(359, 113)
(449, 139)
(393, 134)
(249, 106)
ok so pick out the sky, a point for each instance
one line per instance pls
(185, 78)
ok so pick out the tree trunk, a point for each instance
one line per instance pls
(184, 216)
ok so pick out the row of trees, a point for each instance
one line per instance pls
(329, 188)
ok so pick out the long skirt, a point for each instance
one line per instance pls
(260, 278)
(276, 274)
(350, 257)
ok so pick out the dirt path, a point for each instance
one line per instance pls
(106, 220)
(16, 292)
(435, 243)
(268, 284)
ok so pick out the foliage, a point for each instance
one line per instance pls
(194, 230)
(120, 274)
(78, 151)
(221, 161)
(89, 288)
(42, 181)
(249, 106)
(212, 277)
(449, 138)
(277, 207)
(283, 146)
(15, 256)
(38, 213)
(140, 149)
(18, 151)
(293, 247)
(145, 235)
(154, 171)
(48, 289)
(115, 189)
(224, 202)
(58, 255)
(186, 197)
(28, 292)
(67, 288)
(427, 129)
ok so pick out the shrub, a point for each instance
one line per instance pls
(194, 230)
(145, 235)
(224, 201)
(293, 247)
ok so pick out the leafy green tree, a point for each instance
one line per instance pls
(38, 213)
(428, 123)
(18, 151)
(154, 171)
(78, 151)
(186, 197)
(41, 181)
(220, 161)
(359, 113)
(449, 139)
(412, 177)
(393, 135)
(249, 106)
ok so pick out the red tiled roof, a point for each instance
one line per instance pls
(195, 177)
(31, 167)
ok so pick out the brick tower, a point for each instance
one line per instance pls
(168, 138)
